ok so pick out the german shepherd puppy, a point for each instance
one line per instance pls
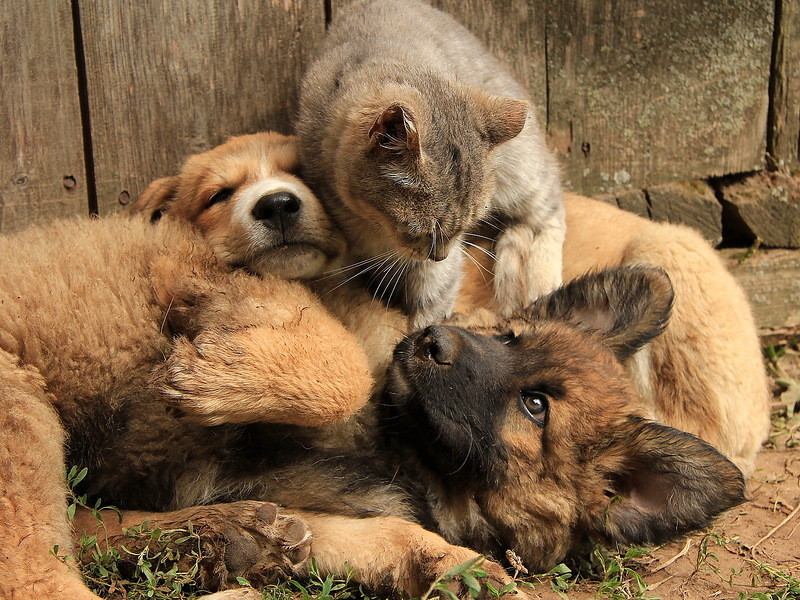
(525, 436)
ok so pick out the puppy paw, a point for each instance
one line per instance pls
(262, 542)
(448, 572)
(249, 539)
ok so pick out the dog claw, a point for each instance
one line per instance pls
(261, 543)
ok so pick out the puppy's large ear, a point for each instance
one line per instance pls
(395, 130)
(662, 483)
(627, 306)
(503, 118)
(156, 198)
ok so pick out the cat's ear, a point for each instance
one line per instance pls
(503, 118)
(395, 130)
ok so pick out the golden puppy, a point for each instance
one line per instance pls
(103, 323)
(255, 213)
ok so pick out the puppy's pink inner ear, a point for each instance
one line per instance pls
(395, 130)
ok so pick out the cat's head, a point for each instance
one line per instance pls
(417, 161)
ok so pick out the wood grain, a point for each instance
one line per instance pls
(771, 280)
(513, 30)
(169, 78)
(649, 91)
(784, 134)
(41, 147)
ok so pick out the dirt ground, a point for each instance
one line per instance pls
(751, 552)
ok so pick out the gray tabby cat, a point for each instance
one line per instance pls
(411, 134)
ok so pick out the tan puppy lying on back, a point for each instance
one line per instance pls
(703, 375)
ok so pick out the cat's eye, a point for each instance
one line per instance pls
(506, 338)
(221, 196)
(534, 405)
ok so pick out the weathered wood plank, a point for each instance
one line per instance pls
(513, 30)
(764, 206)
(784, 140)
(650, 91)
(41, 145)
(771, 280)
(167, 78)
(691, 203)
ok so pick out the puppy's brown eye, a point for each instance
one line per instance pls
(221, 196)
(534, 405)
(506, 338)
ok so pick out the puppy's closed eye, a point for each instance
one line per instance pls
(222, 195)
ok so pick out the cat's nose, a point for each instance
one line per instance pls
(278, 210)
(440, 252)
(436, 344)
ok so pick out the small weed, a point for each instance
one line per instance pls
(619, 577)
(149, 564)
(471, 575)
(786, 587)
(561, 579)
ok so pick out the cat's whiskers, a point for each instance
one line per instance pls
(340, 270)
(476, 263)
(403, 269)
(392, 278)
(385, 274)
(483, 237)
(368, 268)
(482, 249)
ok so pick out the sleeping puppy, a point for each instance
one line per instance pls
(244, 196)
(253, 210)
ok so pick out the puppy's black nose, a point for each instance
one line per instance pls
(278, 210)
(437, 344)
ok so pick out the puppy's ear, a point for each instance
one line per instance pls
(627, 306)
(662, 483)
(156, 198)
(503, 118)
(395, 130)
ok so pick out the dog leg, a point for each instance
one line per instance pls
(249, 539)
(528, 262)
(265, 374)
(389, 554)
(33, 517)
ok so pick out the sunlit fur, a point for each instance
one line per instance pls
(105, 324)
(410, 132)
(705, 374)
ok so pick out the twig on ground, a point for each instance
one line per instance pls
(653, 586)
(674, 558)
(774, 529)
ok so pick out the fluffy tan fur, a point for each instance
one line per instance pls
(88, 311)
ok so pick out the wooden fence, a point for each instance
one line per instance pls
(101, 96)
